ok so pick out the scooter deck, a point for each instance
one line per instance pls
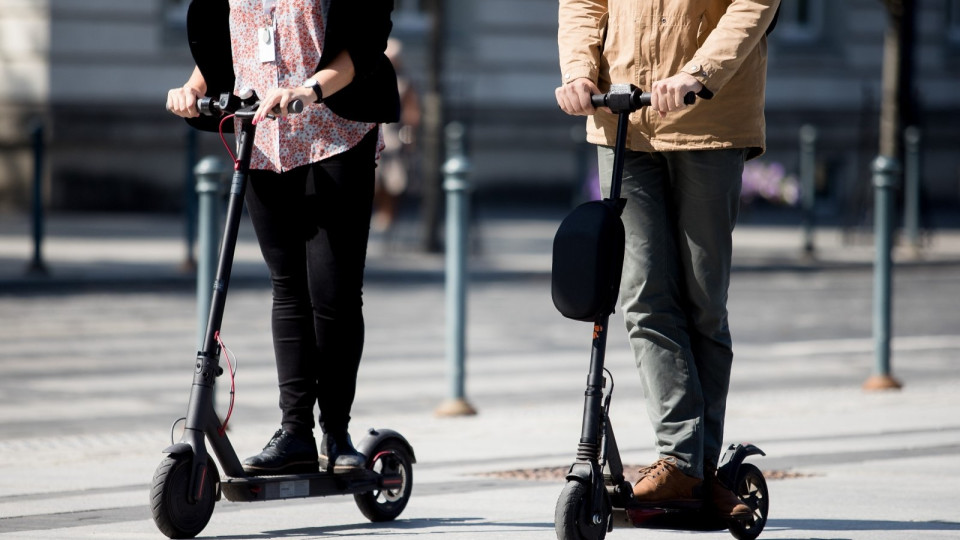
(652, 517)
(292, 486)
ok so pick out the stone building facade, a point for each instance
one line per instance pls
(96, 72)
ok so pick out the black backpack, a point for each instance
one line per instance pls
(587, 260)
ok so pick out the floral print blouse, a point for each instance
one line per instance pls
(299, 139)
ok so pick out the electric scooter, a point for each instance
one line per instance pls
(187, 484)
(587, 263)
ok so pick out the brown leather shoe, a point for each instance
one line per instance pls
(723, 501)
(663, 483)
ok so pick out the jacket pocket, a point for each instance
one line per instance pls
(602, 30)
(702, 30)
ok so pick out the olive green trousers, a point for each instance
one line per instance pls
(679, 217)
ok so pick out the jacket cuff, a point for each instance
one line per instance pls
(701, 73)
(576, 71)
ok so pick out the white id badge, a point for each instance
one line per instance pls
(266, 48)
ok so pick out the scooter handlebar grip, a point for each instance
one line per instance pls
(206, 106)
(294, 107)
(643, 99)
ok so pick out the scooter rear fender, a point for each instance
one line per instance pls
(730, 463)
(376, 436)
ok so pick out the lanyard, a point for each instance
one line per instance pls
(266, 48)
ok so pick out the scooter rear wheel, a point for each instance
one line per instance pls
(751, 487)
(573, 519)
(391, 460)
(173, 512)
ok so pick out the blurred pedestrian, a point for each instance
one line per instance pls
(397, 158)
(310, 194)
(681, 181)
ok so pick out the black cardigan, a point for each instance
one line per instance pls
(360, 28)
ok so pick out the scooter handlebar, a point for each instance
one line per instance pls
(232, 104)
(629, 98)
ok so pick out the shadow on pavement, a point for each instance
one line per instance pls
(416, 526)
(839, 525)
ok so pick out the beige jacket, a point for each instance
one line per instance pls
(720, 42)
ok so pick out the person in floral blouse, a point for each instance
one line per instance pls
(310, 192)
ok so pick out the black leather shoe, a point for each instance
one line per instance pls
(339, 450)
(286, 453)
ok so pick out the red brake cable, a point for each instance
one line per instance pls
(223, 139)
(233, 372)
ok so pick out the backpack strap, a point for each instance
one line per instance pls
(773, 23)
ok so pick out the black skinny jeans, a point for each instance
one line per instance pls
(313, 232)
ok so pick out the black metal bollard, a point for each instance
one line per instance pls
(456, 170)
(37, 265)
(886, 173)
(211, 174)
(190, 202)
(808, 164)
(911, 188)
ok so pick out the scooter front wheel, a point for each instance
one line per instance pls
(392, 462)
(175, 514)
(574, 519)
(751, 487)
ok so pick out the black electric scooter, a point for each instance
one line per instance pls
(587, 262)
(186, 483)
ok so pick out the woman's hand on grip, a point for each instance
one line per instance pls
(278, 99)
(183, 101)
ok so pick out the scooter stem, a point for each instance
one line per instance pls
(228, 243)
(616, 181)
(201, 416)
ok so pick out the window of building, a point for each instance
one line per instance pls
(408, 18)
(175, 21)
(175, 14)
(801, 21)
(953, 21)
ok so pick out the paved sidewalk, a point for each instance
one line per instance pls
(95, 364)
